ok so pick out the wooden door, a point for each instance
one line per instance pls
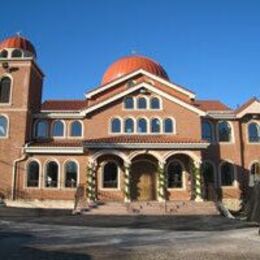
(143, 181)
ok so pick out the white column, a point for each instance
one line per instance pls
(127, 182)
(161, 181)
(91, 181)
(197, 181)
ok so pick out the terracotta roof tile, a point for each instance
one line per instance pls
(210, 105)
(144, 139)
(64, 105)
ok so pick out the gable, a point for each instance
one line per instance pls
(252, 108)
(149, 87)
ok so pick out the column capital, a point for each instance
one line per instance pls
(127, 164)
(162, 163)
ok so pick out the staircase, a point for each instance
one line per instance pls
(154, 208)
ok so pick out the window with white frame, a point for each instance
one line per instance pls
(227, 174)
(155, 125)
(41, 129)
(3, 54)
(224, 131)
(76, 129)
(141, 103)
(254, 174)
(115, 125)
(71, 174)
(253, 133)
(17, 53)
(129, 103)
(58, 128)
(168, 126)
(5, 90)
(175, 175)
(33, 173)
(3, 126)
(51, 174)
(129, 125)
(110, 175)
(155, 103)
(142, 125)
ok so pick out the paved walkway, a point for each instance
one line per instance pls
(134, 237)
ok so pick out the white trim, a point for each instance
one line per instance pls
(7, 127)
(124, 124)
(146, 73)
(184, 172)
(101, 176)
(26, 174)
(52, 126)
(151, 125)
(54, 150)
(148, 145)
(138, 98)
(254, 107)
(235, 183)
(95, 156)
(110, 132)
(45, 174)
(59, 115)
(192, 155)
(47, 132)
(152, 89)
(64, 173)
(147, 125)
(155, 154)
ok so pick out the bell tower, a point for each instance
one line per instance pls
(20, 97)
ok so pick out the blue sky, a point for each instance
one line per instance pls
(210, 47)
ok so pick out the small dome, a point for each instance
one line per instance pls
(129, 64)
(18, 42)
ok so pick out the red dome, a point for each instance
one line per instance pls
(129, 64)
(19, 43)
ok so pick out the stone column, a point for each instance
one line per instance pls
(127, 182)
(197, 181)
(91, 181)
(161, 182)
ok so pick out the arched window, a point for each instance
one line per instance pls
(5, 89)
(254, 133)
(3, 126)
(254, 174)
(58, 129)
(227, 174)
(110, 175)
(224, 131)
(33, 171)
(17, 53)
(168, 125)
(41, 129)
(129, 125)
(51, 175)
(3, 54)
(128, 103)
(155, 103)
(116, 125)
(76, 129)
(155, 125)
(71, 174)
(142, 125)
(174, 173)
(207, 131)
(141, 103)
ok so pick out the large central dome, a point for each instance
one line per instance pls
(129, 64)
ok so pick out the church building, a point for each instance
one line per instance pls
(138, 136)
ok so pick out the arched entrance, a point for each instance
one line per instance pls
(143, 180)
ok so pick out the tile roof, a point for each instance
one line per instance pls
(210, 105)
(163, 139)
(61, 105)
